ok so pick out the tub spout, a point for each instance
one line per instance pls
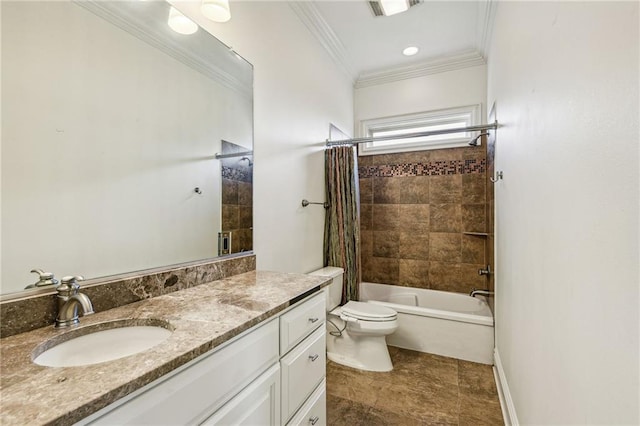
(475, 292)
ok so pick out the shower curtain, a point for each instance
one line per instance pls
(342, 221)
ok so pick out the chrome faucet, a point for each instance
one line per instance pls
(475, 292)
(69, 299)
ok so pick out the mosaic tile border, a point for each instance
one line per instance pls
(434, 168)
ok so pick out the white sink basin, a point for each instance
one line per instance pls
(95, 344)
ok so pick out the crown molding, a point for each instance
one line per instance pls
(318, 26)
(444, 63)
(486, 17)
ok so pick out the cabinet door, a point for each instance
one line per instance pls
(302, 369)
(314, 410)
(257, 404)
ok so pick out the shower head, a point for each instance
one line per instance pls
(474, 141)
(248, 159)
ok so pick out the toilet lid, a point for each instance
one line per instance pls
(368, 311)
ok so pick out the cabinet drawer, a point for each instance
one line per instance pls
(296, 324)
(193, 393)
(302, 369)
(257, 404)
(314, 411)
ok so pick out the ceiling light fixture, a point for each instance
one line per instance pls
(391, 7)
(216, 10)
(180, 23)
(410, 51)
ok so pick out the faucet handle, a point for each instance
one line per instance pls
(70, 279)
(69, 285)
(44, 278)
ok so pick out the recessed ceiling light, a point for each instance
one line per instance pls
(410, 51)
(391, 7)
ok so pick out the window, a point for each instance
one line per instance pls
(451, 118)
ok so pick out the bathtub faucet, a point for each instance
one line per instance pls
(486, 272)
(475, 292)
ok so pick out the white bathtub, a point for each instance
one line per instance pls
(438, 322)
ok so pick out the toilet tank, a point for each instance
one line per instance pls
(333, 292)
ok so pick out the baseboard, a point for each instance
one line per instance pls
(506, 403)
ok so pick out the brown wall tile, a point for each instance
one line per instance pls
(386, 190)
(229, 191)
(386, 243)
(230, 217)
(366, 217)
(414, 273)
(385, 217)
(447, 154)
(445, 247)
(413, 218)
(384, 270)
(366, 243)
(414, 190)
(469, 277)
(445, 277)
(445, 189)
(474, 153)
(445, 218)
(366, 191)
(473, 248)
(245, 237)
(473, 188)
(414, 245)
(365, 160)
(473, 218)
(245, 193)
(245, 216)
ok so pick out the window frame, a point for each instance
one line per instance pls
(470, 113)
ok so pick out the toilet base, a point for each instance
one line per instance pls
(367, 353)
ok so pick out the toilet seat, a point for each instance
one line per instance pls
(366, 312)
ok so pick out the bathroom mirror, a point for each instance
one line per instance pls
(111, 122)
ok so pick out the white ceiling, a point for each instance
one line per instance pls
(450, 34)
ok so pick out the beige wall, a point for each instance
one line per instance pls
(565, 79)
(298, 91)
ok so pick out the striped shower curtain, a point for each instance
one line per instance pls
(342, 221)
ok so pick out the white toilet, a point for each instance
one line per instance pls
(356, 331)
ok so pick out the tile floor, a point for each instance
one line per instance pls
(422, 389)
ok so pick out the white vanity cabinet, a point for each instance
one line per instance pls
(303, 361)
(191, 394)
(272, 374)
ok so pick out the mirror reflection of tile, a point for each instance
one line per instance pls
(237, 199)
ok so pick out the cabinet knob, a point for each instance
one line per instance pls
(313, 319)
(313, 357)
(314, 420)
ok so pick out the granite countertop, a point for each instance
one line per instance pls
(202, 318)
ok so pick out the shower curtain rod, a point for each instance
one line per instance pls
(356, 141)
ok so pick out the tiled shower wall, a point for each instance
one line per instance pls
(237, 197)
(419, 211)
